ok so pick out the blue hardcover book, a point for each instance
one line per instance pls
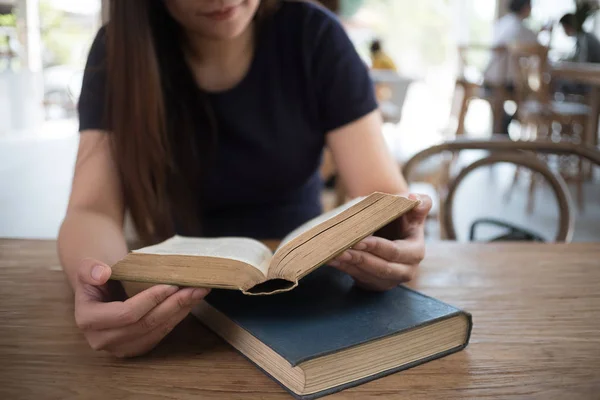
(328, 335)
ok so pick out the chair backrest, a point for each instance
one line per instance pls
(468, 53)
(531, 72)
(518, 153)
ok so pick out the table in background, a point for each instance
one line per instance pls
(536, 313)
(589, 74)
(393, 88)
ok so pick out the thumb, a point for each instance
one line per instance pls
(93, 272)
(418, 214)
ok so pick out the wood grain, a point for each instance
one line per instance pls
(536, 313)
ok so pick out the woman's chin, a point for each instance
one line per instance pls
(225, 30)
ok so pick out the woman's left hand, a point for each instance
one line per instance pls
(379, 264)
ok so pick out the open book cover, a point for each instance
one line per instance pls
(328, 335)
(248, 265)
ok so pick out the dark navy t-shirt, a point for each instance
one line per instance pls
(305, 80)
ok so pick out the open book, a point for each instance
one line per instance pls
(248, 265)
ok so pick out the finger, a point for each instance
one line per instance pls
(93, 272)
(382, 248)
(182, 300)
(418, 214)
(399, 251)
(378, 267)
(91, 314)
(362, 278)
(147, 342)
(413, 222)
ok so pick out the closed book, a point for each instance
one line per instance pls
(328, 335)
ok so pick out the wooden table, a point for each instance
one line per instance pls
(536, 312)
(391, 90)
(582, 72)
(588, 74)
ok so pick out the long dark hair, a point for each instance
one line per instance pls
(153, 109)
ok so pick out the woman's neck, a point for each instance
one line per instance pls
(220, 64)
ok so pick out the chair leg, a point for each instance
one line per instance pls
(464, 107)
(531, 194)
(533, 133)
(523, 132)
(580, 178)
(462, 116)
(509, 192)
(497, 115)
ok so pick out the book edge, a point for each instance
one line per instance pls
(373, 339)
(295, 363)
(295, 243)
(366, 379)
(120, 275)
(459, 310)
(414, 204)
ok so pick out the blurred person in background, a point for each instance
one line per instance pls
(209, 118)
(508, 29)
(587, 50)
(379, 58)
(381, 61)
(587, 45)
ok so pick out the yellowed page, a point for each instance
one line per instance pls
(327, 239)
(248, 251)
(318, 220)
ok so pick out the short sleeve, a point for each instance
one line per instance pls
(528, 36)
(345, 91)
(93, 89)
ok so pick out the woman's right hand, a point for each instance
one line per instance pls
(131, 327)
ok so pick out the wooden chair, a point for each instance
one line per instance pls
(543, 119)
(468, 88)
(518, 153)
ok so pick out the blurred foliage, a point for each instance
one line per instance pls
(422, 34)
(65, 36)
(8, 20)
(416, 27)
(61, 34)
(347, 8)
(55, 43)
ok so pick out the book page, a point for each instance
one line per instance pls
(307, 249)
(245, 250)
(318, 220)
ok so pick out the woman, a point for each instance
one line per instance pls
(209, 118)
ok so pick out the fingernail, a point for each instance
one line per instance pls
(360, 246)
(198, 294)
(334, 263)
(345, 256)
(97, 272)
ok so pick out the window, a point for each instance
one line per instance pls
(44, 46)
